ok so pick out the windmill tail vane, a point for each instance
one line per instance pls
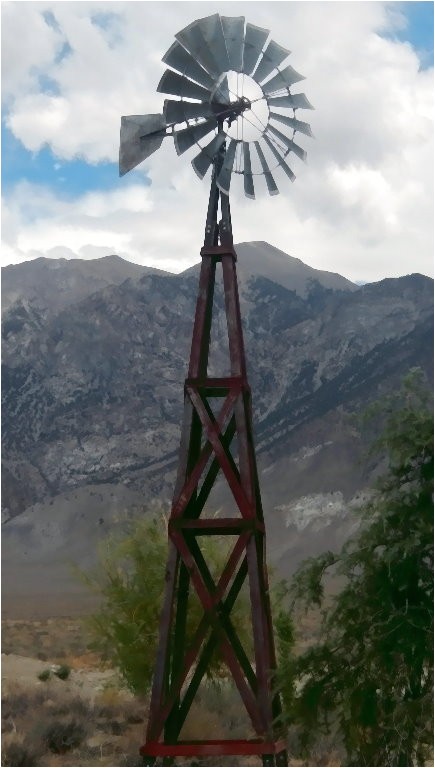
(232, 98)
(210, 65)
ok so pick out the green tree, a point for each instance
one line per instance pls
(369, 676)
(130, 579)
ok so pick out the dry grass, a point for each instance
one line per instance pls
(53, 723)
(51, 728)
(46, 727)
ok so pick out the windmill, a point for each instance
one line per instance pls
(228, 85)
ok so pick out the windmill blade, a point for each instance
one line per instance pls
(186, 138)
(181, 111)
(288, 142)
(280, 159)
(255, 38)
(192, 39)
(270, 60)
(248, 179)
(201, 163)
(178, 58)
(283, 79)
(234, 33)
(293, 100)
(177, 85)
(213, 34)
(224, 179)
(140, 136)
(297, 125)
(270, 181)
(222, 92)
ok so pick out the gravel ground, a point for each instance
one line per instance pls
(24, 671)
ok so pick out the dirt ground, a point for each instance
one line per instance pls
(34, 606)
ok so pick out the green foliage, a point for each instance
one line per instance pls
(131, 580)
(369, 678)
(44, 675)
(62, 672)
(285, 651)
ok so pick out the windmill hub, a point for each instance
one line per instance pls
(254, 114)
(229, 113)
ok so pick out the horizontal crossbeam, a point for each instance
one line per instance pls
(214, 747)
(216, 526)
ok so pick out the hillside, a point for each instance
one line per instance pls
(93, 388)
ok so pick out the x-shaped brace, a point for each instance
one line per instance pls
(216, 616)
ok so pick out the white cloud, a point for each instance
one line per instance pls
(363, 205)
(29, 47)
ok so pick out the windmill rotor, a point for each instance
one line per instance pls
(224, 82)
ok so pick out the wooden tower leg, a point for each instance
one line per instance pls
(206, 447)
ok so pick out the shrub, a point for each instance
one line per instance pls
(63, 672)
(61, 736)
(17, 753)
(369, 677)
(17, 702)
(44, 675)
(131, 581)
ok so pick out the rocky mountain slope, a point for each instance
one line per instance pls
(94, 359)
(53, 284)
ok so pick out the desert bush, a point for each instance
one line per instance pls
(44, 675)
(131, 580)
(17, 702)
(60, 736)
(18, 753)
(74, 707)
(62, 672)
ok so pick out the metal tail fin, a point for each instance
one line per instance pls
(141, 135)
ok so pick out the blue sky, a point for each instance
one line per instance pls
(419, 30)
(65, 170)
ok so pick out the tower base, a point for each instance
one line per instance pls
(273, 753)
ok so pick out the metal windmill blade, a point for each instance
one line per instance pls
(224, 178)
(210, 65)
(255, 38)
(291, 122)
(182, 61)
(202, 162)
(234, 35)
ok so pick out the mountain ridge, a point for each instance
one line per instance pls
(93, 395)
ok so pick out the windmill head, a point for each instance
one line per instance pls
(213, 64)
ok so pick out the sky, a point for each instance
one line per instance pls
(361, 206)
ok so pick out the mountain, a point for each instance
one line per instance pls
(260, 259)
(54, 284)
(93, 390)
